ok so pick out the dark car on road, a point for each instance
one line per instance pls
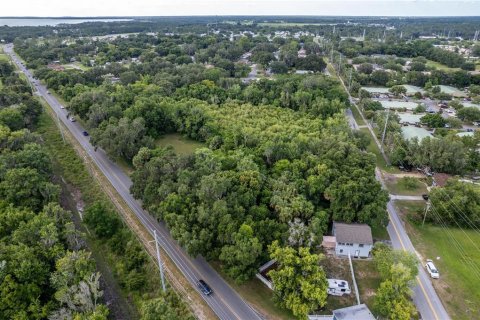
(85, 133)
(425, 196)
(204, 287)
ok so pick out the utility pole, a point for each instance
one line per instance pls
(425, 213)
(340, 65)
(350, 80)
(160, 265)
(60, 126)
(385, 129)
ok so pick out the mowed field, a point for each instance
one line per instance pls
(180, 144)
(440, 66)
(458, 262)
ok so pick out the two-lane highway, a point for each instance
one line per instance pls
(225, 302)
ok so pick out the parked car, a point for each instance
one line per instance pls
(85, 133)
(469, 130)
(48, 92)
(62, 107)
(432, 270)
(425, 196)
(204, 287)
(72, 119)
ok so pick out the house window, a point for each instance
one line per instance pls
(341, 250)
(361, 245)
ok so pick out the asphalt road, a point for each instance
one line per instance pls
(424, 295)
(224, 301)
(409, 198)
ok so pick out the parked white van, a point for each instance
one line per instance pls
(432, 270)
(338, 287)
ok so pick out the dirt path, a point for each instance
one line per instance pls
(120, 308)
(405, 174)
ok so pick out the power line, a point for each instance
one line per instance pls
(455, 242)
(456, 222)
(465, 216)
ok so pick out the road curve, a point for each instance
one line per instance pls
(224, 302)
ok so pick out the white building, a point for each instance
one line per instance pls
(353, 239)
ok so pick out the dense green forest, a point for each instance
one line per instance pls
(278, 154)
(45, 269)
(275, 161)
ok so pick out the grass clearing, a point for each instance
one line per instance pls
(357, 116)
(368, 281)
(373, 148)
(180, 144)
(76, 66)
(406, 186)
(439, 66)
(379, 232)
(458, 284)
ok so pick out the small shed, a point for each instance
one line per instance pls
(329, 242)
(354, 239)
(357, 312)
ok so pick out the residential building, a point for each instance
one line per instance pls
(356, 312)
(353, 239)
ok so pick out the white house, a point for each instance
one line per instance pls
(355, 239)
(356, 312)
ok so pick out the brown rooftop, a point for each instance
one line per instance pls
(352, 233)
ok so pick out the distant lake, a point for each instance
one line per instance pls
(34, 22)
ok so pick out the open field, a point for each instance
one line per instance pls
(76, 66)
(368, 281)
(180, 144)
(440, 66)
(357, 116)
(458, 286)
(406, 186)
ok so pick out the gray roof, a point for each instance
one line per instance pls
(352, 233)
(357, 312)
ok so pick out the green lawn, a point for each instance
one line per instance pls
(357, 116)
(76, 66)
(458, 286)
(440, 66)
(406, 186)
(368, 281)
(180, 144)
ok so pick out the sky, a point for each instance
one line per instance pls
(92, 8)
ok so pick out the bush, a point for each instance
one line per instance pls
(101, 220)
(409, 183)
